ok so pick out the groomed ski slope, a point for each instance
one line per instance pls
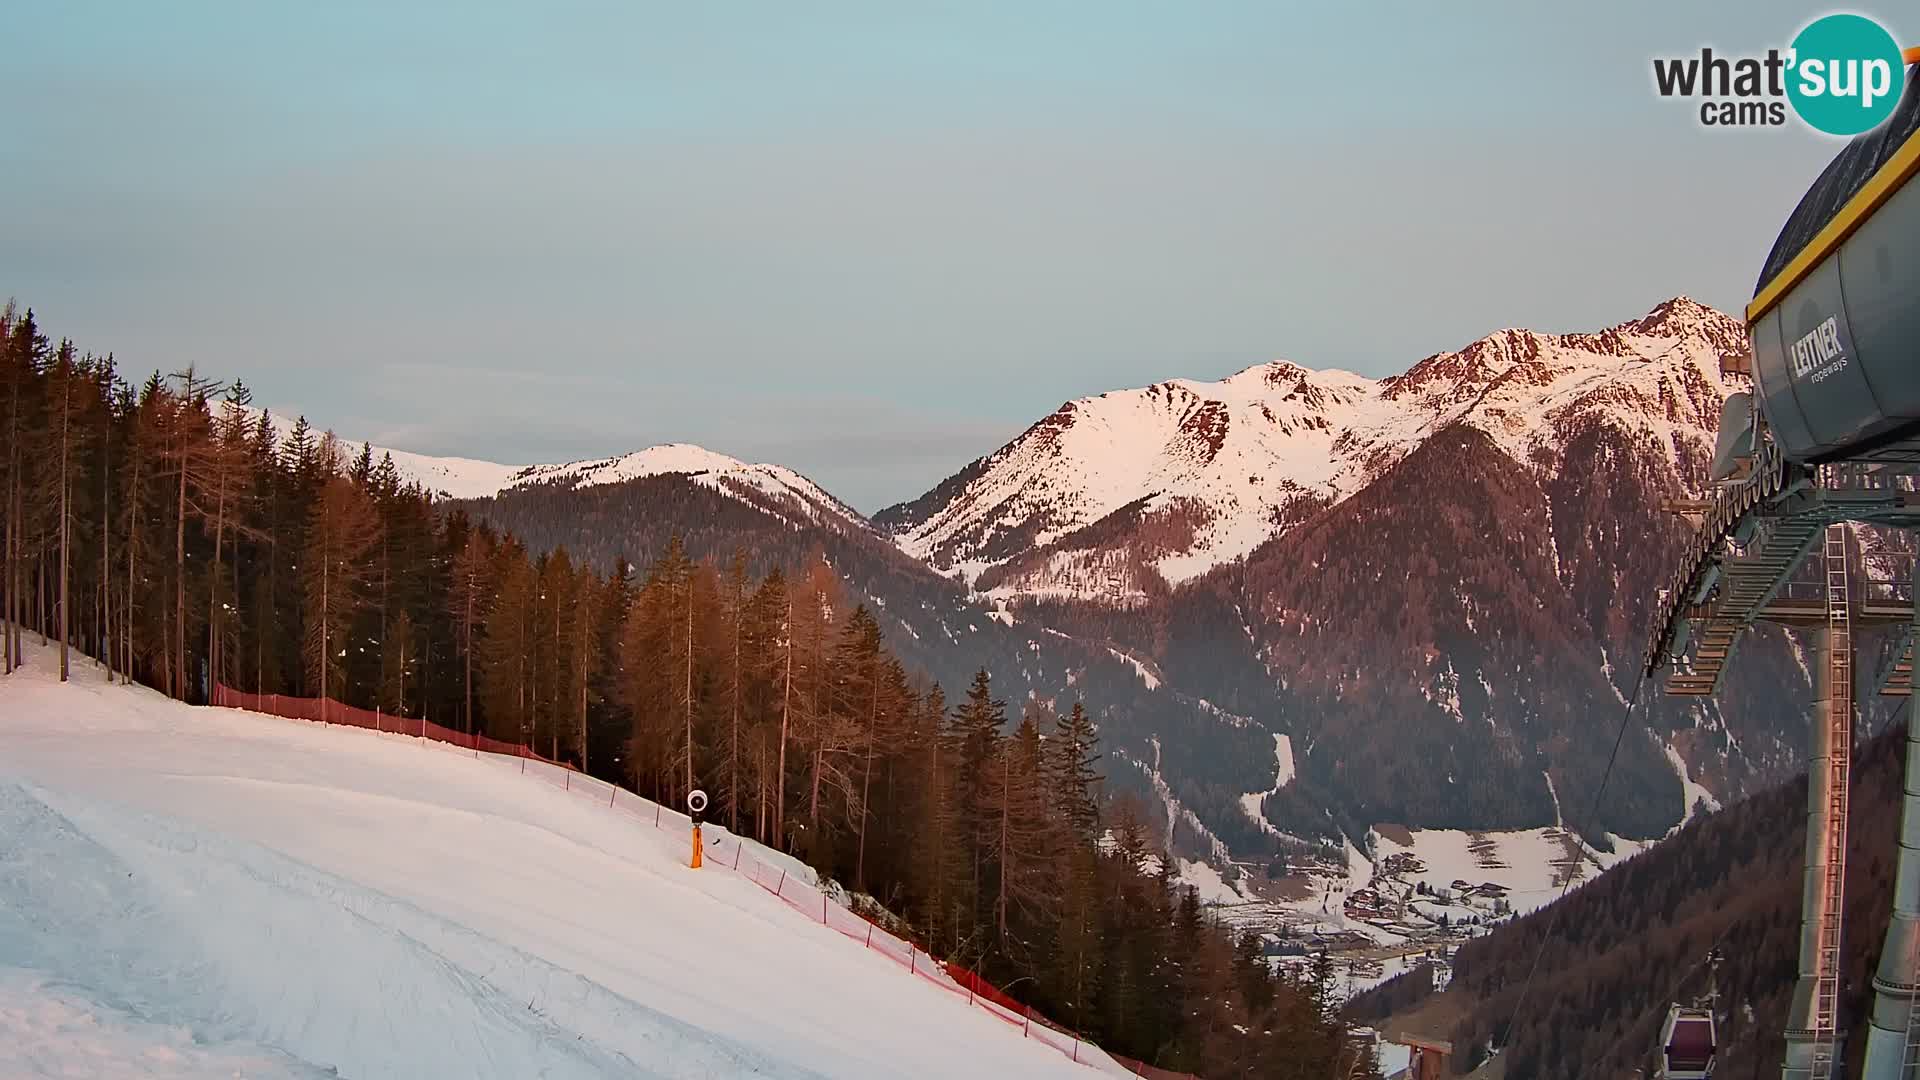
(192, 892)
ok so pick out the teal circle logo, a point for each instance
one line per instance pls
(1845, 74)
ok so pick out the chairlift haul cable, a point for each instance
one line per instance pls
(1593, 818)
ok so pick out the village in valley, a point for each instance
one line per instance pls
(1411, 899)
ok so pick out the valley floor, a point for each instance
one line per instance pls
(199, 892)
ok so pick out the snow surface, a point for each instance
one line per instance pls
(47, 1030)
(450, 477)
(1692, 790)
(1206, 881)
(1522, 861)
(1151, 680)
(1283, 772)
(205, 889)
(717, 471)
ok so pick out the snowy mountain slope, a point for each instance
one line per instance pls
(783, 487)
(1116, 496)
(320, 898)
(772, 486)
(449, 477)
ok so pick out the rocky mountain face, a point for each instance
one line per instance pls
(1116, 498)
(1436, 584)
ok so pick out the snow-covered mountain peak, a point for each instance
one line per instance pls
(1261, 377)
(664, 459)
(1172, 479)
(786, 488)
(772, 487)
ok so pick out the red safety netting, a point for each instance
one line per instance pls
(1141, 1068)
(720, 850)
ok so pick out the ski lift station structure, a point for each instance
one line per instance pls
(1829, 435)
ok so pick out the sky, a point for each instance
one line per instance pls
(871, 241)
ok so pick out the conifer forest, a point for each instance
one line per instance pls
(163, 528)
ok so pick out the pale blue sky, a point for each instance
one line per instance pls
(871, 241)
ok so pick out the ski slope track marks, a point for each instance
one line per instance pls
(208, 892)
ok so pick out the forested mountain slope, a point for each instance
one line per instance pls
(1621, 948)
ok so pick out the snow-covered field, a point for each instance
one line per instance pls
(203, 892)
(1522, 861)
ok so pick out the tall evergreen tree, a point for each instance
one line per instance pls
(341, 530)
(977, 725)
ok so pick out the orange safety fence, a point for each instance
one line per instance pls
(724, 851)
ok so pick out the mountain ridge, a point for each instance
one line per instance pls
(1221, 568)
(1208, 471)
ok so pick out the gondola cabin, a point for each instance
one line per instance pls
(1687, 1044)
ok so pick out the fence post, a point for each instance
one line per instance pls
(1026, 1032)
(823, 907)
(913, 959)
(656, 815)
(869, 935)
(376, 718)
(737, 848)
(783, 883)
(612, 794)
(1076, 1049)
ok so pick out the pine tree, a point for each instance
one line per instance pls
(189, 453)
(26, 353)
(65, 403)
(930, 870)
(769, 660)
(25, 358)
(734, 689)
(264, 458)
(1075, 783)
(468, 601)
(400, 661)
(859, 662)
(609, 723)
(506, 654)
(341, 530)
(977, 724)
(559, 632)
(653, 661)
(829, 729)
(225, 461)
(586, 593)
(1073, 970)
(1022, 845)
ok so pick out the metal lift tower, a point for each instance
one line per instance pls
(1830, 435)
